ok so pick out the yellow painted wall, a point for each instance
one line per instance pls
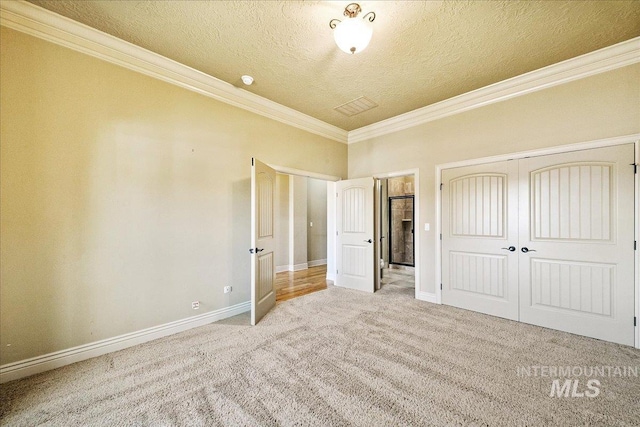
(123, 198)
(602, 106)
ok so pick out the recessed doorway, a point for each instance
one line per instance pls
(396, 200)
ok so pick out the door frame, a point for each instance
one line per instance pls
(331, 212)
(413, 219)
(607, 142)
(424, 296)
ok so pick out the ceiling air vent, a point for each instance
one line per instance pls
(356, 106)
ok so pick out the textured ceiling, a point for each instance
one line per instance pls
(421, 52)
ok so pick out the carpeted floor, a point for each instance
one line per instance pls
(335, 357)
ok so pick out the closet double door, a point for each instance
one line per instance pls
(545, 240)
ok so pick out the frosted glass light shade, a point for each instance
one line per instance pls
(353, 35)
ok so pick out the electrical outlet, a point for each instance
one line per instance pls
(227, 289)
(195, 305)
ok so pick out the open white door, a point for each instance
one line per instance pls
(263, 271)
(354, 242)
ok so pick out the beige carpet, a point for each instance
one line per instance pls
(335, 357)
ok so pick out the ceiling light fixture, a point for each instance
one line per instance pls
(353, 35)
(247, 80)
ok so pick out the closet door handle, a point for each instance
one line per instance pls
(510, 248)
(369, 241)
(526, 249)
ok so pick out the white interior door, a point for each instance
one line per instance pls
(263, 271)
(479, 238)
(354, 241)
(576, 242)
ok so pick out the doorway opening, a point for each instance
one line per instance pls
(396, 223)
(265, 230)
(301, 235)
(401, 220)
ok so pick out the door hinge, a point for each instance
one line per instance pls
(252, 162)
(336, 194)
(635, 245)
(336, 271)
(336, 233)
(440, 286)
(440, 236)
(441, 184)
(635, 321)
(635, 167)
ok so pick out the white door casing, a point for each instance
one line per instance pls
(355, 227)
(577, 221)
(263, 269)
(480, 235)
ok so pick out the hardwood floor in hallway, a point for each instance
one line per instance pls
(291, 284)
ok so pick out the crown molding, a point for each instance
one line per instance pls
(49, 26)
(36, 21)
(599, 61)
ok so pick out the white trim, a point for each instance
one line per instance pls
(298, 267)
(292, 226)
(599, 61)
(317, 262)
(426, 296)
(416, 206)
(299, 172)
(637, 239)
(608, 142)
(599, 143)
(49, 26)
(282, 268)
(438, 282)
(331, 231)
(35, 365)
(405, 172)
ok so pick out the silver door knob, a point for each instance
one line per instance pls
(510, 248)
(525, 249)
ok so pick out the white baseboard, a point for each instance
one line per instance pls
(317, 262)
(35, 365)
(281, 268)
(426, 296)
(299, 267)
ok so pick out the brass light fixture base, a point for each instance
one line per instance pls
(352, 10)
